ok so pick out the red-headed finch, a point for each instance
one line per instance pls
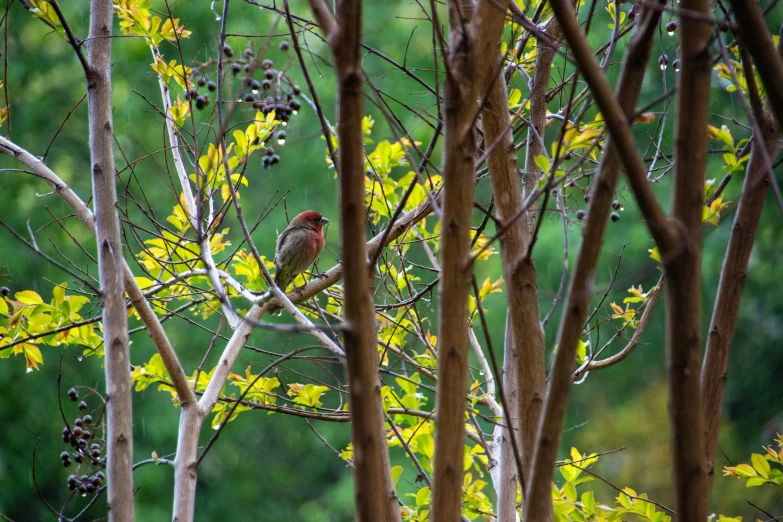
(298, 246)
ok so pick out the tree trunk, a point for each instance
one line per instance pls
(119, 439)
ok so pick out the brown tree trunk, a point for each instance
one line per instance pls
(730, 287)
(521, 284)
(119, 415)
(376, 499)
(538, 504)
(458, 189)
(683, 267)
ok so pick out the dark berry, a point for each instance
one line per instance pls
(615, 217)
(676, 64)
(78, 422)
(270, 151)
(212, 86)
(580, 214)
(266, 84)
(258, 105)
(65, 455)
(201, 102)
(73, 480)
(295, 105)
(248, 68)
(97, 481)
(671, 26)
(297, 90)
(632, 13)
(267, 161)
(249, 53)
(236, 68)
(587, 198)
(269, 74)
(283, 45)
(86, 434)
(192, 93)
(255, 85)
(246, 81)
(95, 446)
(87, 420)
(249, 97)
(663, 60)
(616, 204)
(202, 81)
(78, 458)
(96, 454)
(99, 476)
(73, 395)
(77, 431)
(83, 406)
(90, 487)
(227, 50)
(267, 64)
(281, 136)
(275, 159)
(4, 291)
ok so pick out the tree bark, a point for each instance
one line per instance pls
(119, 416)
(525, 377)
(730, 287)
(375, 496)
(683, 268)
(458, 189)
(538, 504)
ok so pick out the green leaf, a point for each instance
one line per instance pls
(396, 472)
(28, 297)
(542, 162)
(755, 481)
(743, 470)
(760, 464)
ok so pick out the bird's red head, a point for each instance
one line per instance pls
(310, 218)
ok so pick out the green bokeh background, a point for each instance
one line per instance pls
(272, 467)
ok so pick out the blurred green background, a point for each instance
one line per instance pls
(272, 467)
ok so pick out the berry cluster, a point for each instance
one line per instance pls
(86, 450)
(272, 93)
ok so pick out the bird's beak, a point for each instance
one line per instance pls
(324, 221)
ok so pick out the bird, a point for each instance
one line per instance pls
(298, 246)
